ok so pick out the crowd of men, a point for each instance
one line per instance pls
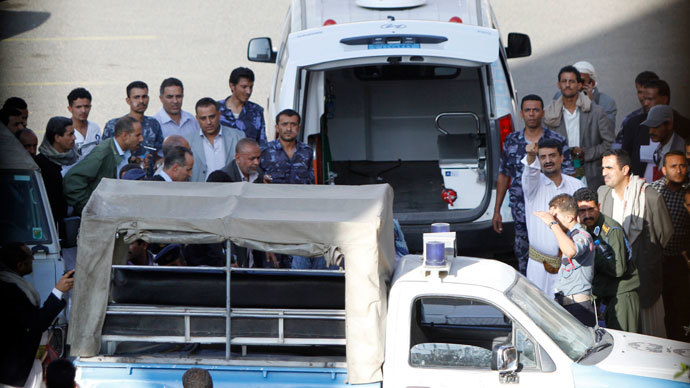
(224, 141)
(602, 213)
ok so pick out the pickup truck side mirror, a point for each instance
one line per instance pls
(519, 45)
(505, 360)
(261, 50)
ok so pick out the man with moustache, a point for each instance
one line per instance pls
(245, 167)
(615, 280)
(138, 101)
(105, 161)
(582, 122)
(676, 288)
(214, 145)
(660, 124)
(87, 133)
(238, 112)
(541, 181)
(174, 120)
(510, 172)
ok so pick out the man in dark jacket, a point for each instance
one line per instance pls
(178, 165)
(24, 320)
(55, 154)
(245, 167)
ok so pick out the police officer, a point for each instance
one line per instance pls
(615, 280)
(286, 159)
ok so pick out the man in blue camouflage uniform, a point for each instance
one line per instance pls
(238, 112)
(138, 101)
(510, 172)
(285, 159)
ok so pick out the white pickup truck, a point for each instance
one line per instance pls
(377, 322)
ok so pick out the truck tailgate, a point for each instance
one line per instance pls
(108, 374)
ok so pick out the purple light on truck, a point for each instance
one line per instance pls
(435, 253)
(440, 227)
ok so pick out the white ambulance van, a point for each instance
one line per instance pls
(414, 93)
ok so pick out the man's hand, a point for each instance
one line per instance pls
(268, 179)
(66, 282)
(498, 222)
(588, 89)
(531, 150)
(546, 217)
(272, 258)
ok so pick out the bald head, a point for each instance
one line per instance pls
(175, 141)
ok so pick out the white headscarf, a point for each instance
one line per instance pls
(587, 68)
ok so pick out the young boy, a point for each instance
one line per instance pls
(574, 284)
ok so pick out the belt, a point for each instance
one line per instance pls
(576, 298)
(551, 263)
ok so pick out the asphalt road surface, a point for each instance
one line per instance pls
(48, 48)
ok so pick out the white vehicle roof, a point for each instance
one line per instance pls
(476, 45)
(315, 12)
(463, 270)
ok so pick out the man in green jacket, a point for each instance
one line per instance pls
(616, 280)
(105, 161)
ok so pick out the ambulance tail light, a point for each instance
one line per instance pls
(505, 128)
(329, 22)
(455, 19)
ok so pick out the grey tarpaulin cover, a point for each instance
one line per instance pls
(307, 219)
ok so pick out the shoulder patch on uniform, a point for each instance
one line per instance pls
(605, 228)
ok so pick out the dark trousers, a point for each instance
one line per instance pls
(583, 311)
(675, 293)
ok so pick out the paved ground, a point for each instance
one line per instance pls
(49, 48)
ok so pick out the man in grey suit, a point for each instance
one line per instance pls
(583, 123)
(214, 146)
(245, 167)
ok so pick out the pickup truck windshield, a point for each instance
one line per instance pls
(565, 330)
(22, 215)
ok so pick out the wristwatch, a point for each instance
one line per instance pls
(552, 223)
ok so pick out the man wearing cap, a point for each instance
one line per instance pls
(583, 123)
(660, 124)
(590, 81)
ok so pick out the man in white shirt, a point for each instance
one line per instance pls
(87, 134)
(178, 166)
(214, 144)
(174, 120)
(582, 122)
(541, 181)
